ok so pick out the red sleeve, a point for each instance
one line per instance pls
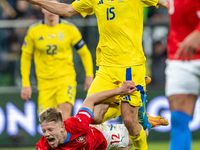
(42, 144)
(80, 123)
(198, 14)
(86, 115)
(198, 26)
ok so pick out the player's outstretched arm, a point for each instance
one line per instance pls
(60, 9)
(127, 88)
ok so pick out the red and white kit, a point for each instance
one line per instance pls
(184, 18)
(183, 77)
(82, 136)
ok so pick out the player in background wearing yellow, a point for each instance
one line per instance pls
(51, 41)
(119, 53)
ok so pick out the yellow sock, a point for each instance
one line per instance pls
(139, 141)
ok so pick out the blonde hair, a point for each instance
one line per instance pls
(50, 114)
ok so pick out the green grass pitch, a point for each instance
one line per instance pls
(152, 146)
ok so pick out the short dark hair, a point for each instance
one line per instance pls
(50, 114)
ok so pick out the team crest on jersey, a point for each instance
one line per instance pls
(77, 1)
(61, 36)
(81, 139)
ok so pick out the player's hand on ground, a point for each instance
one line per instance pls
(88, 82)
(127, 87)
(189, 46)
(26, 93)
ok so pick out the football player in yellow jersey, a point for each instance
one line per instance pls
(119, 55)
(51, 42)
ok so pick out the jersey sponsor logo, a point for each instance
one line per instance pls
(100, 2)
(51, 36)
(61, 36)
(85, 113)
(41, 38)
(81, 139)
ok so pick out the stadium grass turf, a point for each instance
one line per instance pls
(165, 145)
(152, 146)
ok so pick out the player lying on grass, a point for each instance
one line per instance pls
(76, 133)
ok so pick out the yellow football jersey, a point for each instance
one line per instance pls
(52, 50)
(120, 25)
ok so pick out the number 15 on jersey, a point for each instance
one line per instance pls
(110, 13)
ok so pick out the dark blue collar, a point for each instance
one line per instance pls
(67, 139)
(58, 22)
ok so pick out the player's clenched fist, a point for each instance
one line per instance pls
(127, 87)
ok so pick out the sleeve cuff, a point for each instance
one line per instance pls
(89, 111)
(89, 75)
(151, 3)
(25, 82)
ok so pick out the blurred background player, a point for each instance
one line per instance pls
(51, 41)
(183, 69)
(119, 53)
